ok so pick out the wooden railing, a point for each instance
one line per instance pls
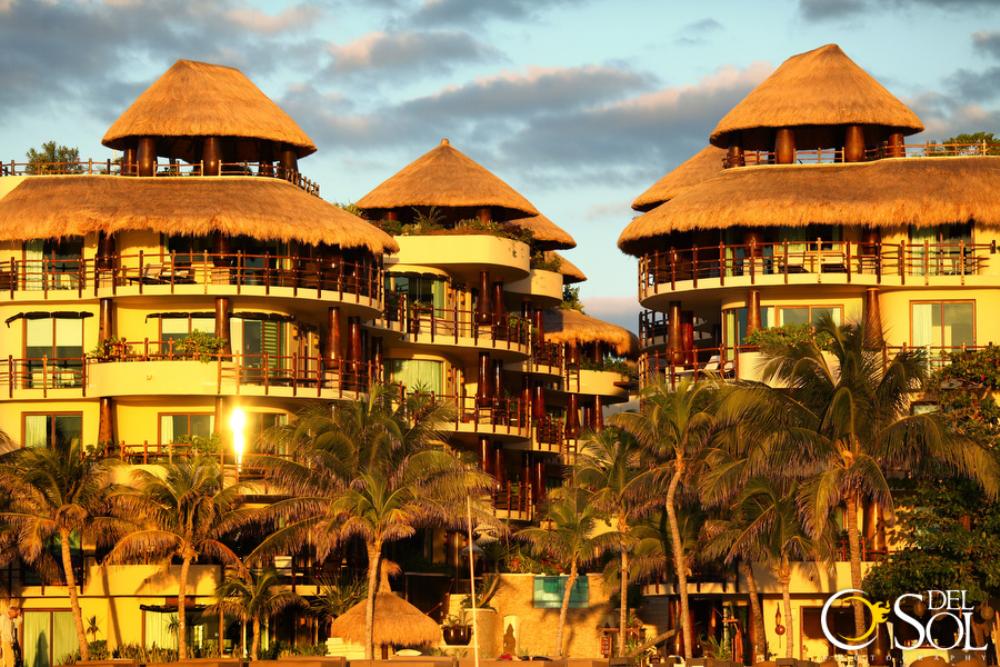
(157, 270)
(551, 435)
(450, 325)
(547, 353)
(504, 414)
(109, 167)
(44, 373)
(748, 262)
(832, 155)
(515, 498)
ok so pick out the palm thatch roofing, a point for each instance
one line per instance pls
(567, 325)
(397, 623)
(819, 87)
(446, 177)
(701, 166)
(885, 193)
(194, 99)
(547, 234)
(571, 273)
(264, 208)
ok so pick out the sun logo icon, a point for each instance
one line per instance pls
(879, 614)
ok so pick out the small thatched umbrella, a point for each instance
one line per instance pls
(546, 234)
(818, 88)
(397, 623)
(701, 166)
(566, 325)
(445, 177)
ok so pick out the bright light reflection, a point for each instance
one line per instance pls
(237, 424)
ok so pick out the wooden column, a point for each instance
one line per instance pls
(573, 416)
(106, 423)
(539, 480)
(497, 382)
(486, 455)
(538, 403)
(223, 310)
(753, 311)
(483, 306)
(354, 333)
(211, 156)
(539, 326)
(687, 335)
(128, 162)
(377, 359)
(105, 321)
(289, 162)
(597, 352)
(484, 214)
(499, 464)
(498, 306)
(735, 157)
(675, 343)
(598, 414)
(331, 348)
(266, 158)
(573, 354)
(896, 147)
(525, 398)
(146, 156)
(854, 143)
(784, 146)
(483, 393)
(873, 320)
(220, 415)
(105, 251)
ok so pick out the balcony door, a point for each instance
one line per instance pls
(264, 338)
(942, 326)
(54, 350)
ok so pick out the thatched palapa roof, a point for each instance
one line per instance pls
(264, 208)
(567, 325)
(397, 623)
(547, 234)
(819, 87)
(571, 273)
(883, 193)
(193, 99)
(701, 166)
(446, 177)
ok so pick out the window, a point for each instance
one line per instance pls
(792, 315)
(942, 256)
(175, 428)
(428, 290)
(48, 637)
(262, 337)
(422, 374)
(173, 329)
(549, 591)
(55, 261)
(942, 324)
(59, 430)
(735, 324)
(60, 341)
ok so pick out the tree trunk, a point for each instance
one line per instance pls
(854, 544)
(759, 647)
(374, 558)
(623, 601)
(74, 600)
(182, 608)
(680, 562)
(255, 642)
(565, 607)
(785, 577)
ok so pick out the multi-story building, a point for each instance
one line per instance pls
(810, 201)
(148, 296)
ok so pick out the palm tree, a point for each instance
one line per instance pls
(674, 427)
(253, 598)
(374, 469)
(55, 495)
(854, 428)
(186, 512)
(568, 536)
(609, 465)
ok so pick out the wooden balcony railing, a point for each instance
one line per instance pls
(110, 167)
(501, 415)
(832, 155)
(44, 373)
(514, 498)
(154, 271)
(450, 325)
(547, 353)
(552, 435)
(787, 260)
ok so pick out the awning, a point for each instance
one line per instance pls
(44, 314)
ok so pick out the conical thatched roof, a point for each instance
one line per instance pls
(566, 325)
(264, 208)
(547, 234)
(571, 272)
(446, 177)
(884, 193)
(397, 623)
(818, 87)
(194, 99)
(701, 166)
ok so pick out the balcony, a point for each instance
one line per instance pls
(513, 500)
(550, 435)
(459, 328)
(836, 155)
(465, 255)
(815, 262)
(545, 287)
(294, 276)
(495, 416)
(109, 167)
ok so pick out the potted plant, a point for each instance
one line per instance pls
(456, 631)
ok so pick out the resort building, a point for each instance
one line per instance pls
(811, 201)
(199, 275)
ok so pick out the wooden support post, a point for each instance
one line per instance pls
(266, 158)
(129, 167)
(146, 156)
(486, 455)
(223, 310)
(497, 382)
(873, 320)
(854, 143)
(539, 326)
(105, 322)
(484, 215)
(483, 393)
(573, 416)
(675, 343)
(735, 156)
(538, 403)
(377, 360)
(498, 305)
(483, 305)
(784, 146)
(356, 356)
(220, 413)
(753, 311)
(289, 162)
(331, 350)
(106, 423)
(896, 147)
(211, 156)
(598, 414)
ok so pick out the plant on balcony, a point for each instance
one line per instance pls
(111, 349)
(199, 345)
(775, 339)
(541, 261)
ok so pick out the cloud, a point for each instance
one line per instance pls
(299, 17)
(696, 32)
(384, 55)
(822, 10)
(475, 12)
(987, 42)
(979, 86)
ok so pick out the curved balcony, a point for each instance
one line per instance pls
(501, 417)
(544, 287)
(108, 167)
(551, 435)
(883, 151)
(546, 358)
(513, 500)
(221, 274)
(457, 328)
(465, 255)
(721, 266)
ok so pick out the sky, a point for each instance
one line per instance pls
(579, 104)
